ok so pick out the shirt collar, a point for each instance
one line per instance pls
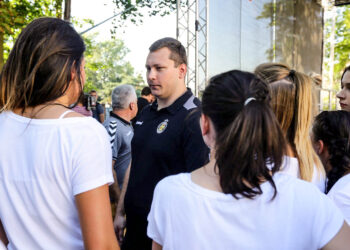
(176, 105)
(119, 118)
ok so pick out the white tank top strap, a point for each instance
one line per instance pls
(64, 114)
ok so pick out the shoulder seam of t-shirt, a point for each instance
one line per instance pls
(189, 104)
(112, 131)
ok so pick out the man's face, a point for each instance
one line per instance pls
(94, 98)
(162, 76)
(94, 94)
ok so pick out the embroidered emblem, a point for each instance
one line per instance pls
(139, 123)
(162, 126)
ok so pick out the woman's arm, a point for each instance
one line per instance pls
(156, 246)
(96, 219)
(341, 241)
(119, 220)
(114, 189)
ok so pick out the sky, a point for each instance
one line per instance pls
(137, 38)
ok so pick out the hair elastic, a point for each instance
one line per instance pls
(291, 73)
(248, 100)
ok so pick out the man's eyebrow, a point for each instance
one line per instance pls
(154, 65)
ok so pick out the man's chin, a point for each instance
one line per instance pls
(156, 93)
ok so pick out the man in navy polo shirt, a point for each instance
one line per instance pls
(167, 140)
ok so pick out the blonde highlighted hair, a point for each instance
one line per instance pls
(292, 103)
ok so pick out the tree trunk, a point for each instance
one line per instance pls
(67, 9)
(332, 46)
(1, 50)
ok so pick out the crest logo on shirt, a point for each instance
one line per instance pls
(162, 126)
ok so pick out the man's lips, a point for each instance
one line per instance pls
(343, 105)
(154, 86)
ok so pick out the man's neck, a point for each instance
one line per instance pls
(122, 113)
(163, 103)
(145, 97)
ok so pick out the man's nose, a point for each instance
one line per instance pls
(151, 74)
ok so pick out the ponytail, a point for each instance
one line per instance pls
(292, 103)
(306, 155)
(249, 138)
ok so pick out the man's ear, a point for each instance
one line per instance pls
(182, 70)
(132, 105)
(149, 98)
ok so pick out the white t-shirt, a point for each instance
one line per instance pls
(290, 166)
(340, 194)
(43, 165)
(185, 215)
(2, 246)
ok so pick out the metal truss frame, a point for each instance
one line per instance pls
(192, 30)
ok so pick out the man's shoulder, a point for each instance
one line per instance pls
(99, 107)
(191, 103)
(192, 109)
(110, 119)
(142, 99)
(110, 123)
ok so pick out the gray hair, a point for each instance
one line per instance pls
(122, 96)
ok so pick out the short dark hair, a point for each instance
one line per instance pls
(146, 91)
(178, 51)
(84, 100)
(38, 69)
(248, 135)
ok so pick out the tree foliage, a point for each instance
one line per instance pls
(341, 45)
(107, 68)
(16, 14)
(135, 10)
(342, 42)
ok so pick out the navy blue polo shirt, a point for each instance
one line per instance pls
(165, 142)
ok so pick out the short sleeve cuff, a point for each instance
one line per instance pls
(78, 189)
(152, 234)
(332, 229)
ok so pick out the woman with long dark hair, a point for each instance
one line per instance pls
(344, 93)
(55, 164)
(240, 199)
(331, 138)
